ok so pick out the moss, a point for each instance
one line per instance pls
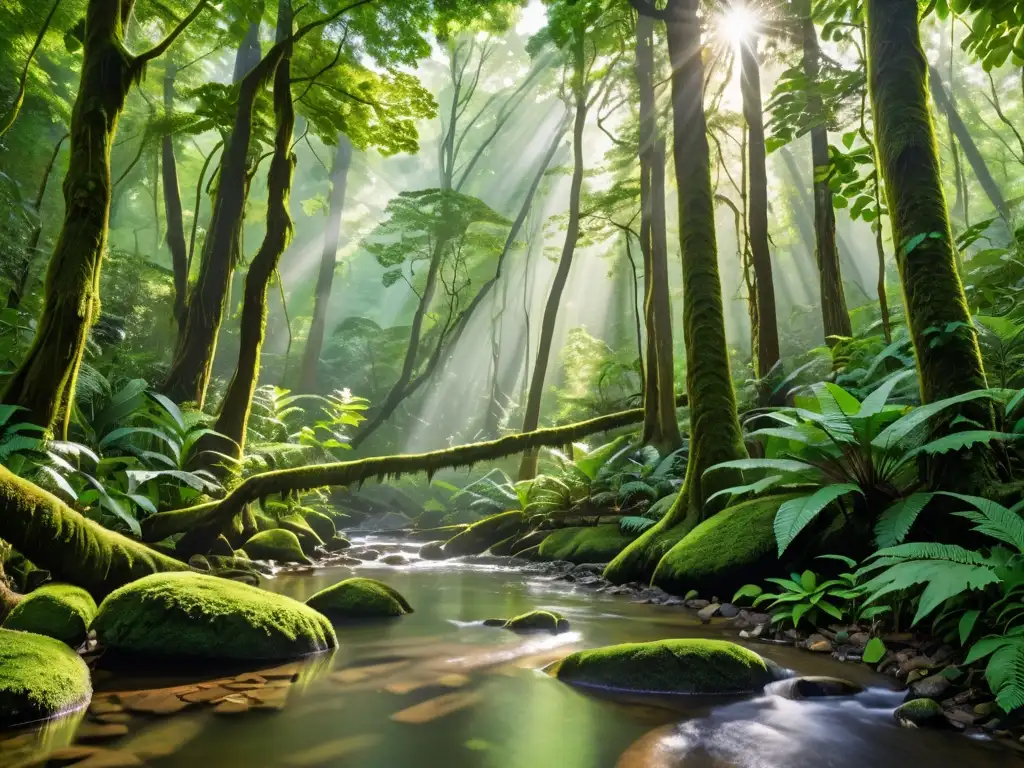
(221, 546)
(199, 616)
(592, 544)
(538, 621)
(276, 544)
(321, 524)
(444, 533)
(919, 712)
(478, 537)
(74, 549)
(360, 598)
(668, 666)
(504, 547)
(39, 678)
(726, 551)
(60, 611)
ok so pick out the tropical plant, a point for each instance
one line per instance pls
(855, 455)
(809, 597)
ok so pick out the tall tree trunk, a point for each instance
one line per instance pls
(909, 162)
(172, 207)
(970, 148)
(834, 313)
(753, 112)
(234, 413)
(328, 263)
(662, 429)
(531, 416)
(44, 384)
(192, 365)
(20, 284)
(715, 434)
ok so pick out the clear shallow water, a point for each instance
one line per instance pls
(436, 690)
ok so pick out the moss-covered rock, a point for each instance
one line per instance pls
(308, 538)
(592, 544)
(444, 533)
(276, 544)
(40, 677)
(481, 535)
(321, 524)
(199, 616)
(359, 598)
(60, 611)
(920, 712)
(433, 550)
(538, 621)
(221, 546)
(735, 547)
(668, 666)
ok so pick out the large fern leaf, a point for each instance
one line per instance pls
(993, 519)
(895, 522)
(796, 514)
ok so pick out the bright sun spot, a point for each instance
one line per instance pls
(738, 24)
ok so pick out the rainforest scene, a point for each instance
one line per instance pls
(511, 383)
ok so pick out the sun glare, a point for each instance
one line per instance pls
(738, 24)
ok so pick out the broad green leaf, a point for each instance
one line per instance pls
(749, 590)
(795, 515)
(755, 488)
(874, 651)
(877, 400)
(898, 430)
(966, 625)
(896, 521)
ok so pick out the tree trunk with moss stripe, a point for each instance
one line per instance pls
(834, 313)
(234, 414)
(949, 361)
(72, 548)
(715, 434)
(661, 428)
(767, 321)
(44, 383)
(172, 206)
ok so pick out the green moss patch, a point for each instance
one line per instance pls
(538, 621)
(39, 678)
(321, 524)
(730, 549)
(481, 535)
(591, 544)
(359, 598)
(60, 611)
(276, 544)
(668, 666)
(199, 616)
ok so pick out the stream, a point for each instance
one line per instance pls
(436, 689)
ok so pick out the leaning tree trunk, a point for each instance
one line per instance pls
(234, 413)
(753, 112)
(44, 384)
(328, 263)
(661, 429)
(531, 417)
(961, 135)
(172, 207)
(834, 313)
(925, 252)
(715, 434)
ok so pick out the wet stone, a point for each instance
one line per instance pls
(100, 731)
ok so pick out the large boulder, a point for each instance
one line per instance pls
(61, 611)
(199, 616)
(298, 525)
(276, 544)
(668, 666)
(590, 544)
(732, 548)
(39, 678)
(481, 535)
(359, 598)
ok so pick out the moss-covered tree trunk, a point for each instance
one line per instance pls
(940, 322)
(834, 313)
(531, 416)
(172, 206)
(44, 383)
(767, 352)
(234, 414)
(962, 136)
(661, 428)
(715, 434)
(328, 263)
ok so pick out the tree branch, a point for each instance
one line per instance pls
(160, 48)
(12, 115)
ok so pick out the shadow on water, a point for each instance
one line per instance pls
(436, 689)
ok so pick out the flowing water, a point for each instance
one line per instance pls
(436, 689)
